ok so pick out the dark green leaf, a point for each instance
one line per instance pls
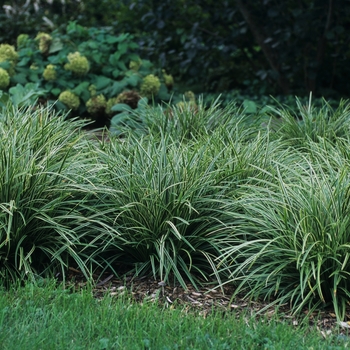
(55, 91)
(56, 45)
(133, 80)
(5, 65)
(102, 82)
(121, 107)
(249, 106)
(117, 87)
(119, 118)
(114, 59)
(122, 48)
(20, 78)
(111, 39)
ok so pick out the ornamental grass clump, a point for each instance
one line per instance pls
(191, 119)
(291, 239)
(167, 212)
(310, 123)
(48, 187)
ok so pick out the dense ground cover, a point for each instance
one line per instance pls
(49, 317)
(189, 193)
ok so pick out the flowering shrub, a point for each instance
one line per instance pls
(84, 70)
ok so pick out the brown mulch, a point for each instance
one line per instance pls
(205, 300)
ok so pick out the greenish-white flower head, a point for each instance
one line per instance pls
(8, 53)
(22, 40)
(110, 103)
(69, 99)
(4, 79)
(92, 90)
(77, 64)
(190, 96)
(50, 73)
(168, 79)
(189, 102)
(150, 86)
(135, 65)
(44, 42)
(96, 104)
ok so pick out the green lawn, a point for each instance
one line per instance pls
(49, 317)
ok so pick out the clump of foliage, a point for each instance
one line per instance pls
(66, 65)
(166, 213)
(46, 170)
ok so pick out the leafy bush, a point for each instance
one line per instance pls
(85, 69)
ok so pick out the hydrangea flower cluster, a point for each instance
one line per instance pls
(168, 80)
(96, 104)
(92, 90)
(22, 40)
(190, 96)
(110, 103)
(189, 103)
(4, 79)
(78, 64)
(50, 73)
(135, 65)
(44, 42)
(131, 98)
(8, 53)
(69, 99)
(150, 86)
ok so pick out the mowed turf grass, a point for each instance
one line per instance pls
(50, 317)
